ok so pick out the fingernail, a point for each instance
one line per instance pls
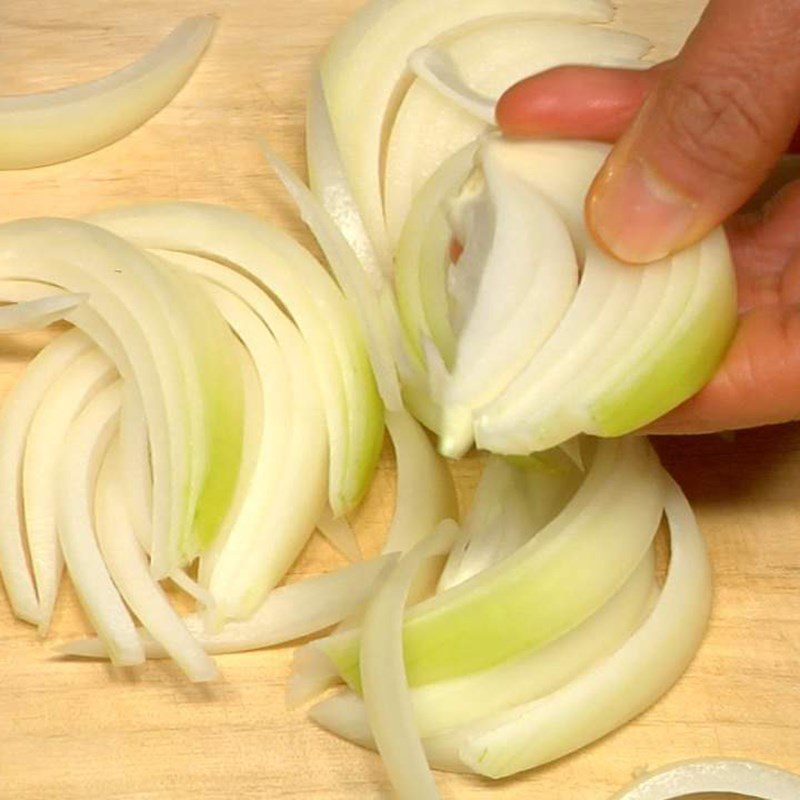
(636, 214)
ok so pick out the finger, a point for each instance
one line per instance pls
(706, 136)
(763, 244)
(757, 384)
(575, 103)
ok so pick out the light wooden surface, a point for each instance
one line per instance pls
(80, 730)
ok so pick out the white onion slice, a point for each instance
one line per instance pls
(66, 397)
(49, 127)
(16, 413)
(438, 69)
(716, 776)
(38, 313)
(127, 565)
(275, 261)
(621, 686)
(426, 494)
(447, 704)
(368, 297)
(364, 73)
(78, 464)
(489, 58)
(289, 612)
(386, 696)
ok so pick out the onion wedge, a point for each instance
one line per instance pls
(50, 127)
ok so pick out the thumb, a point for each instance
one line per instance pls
(707, 135)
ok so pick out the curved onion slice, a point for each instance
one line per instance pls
(369, 298)
(285, 495)
(64, 400)
(141, 316)
(276, 262)
(430, 125)
(38, 313)
(512, 503)
(716, 776)
(426, 494)
(289, 612)
(386, 695)
(446, 704)
(16, 413)
(633, 343)
(49, 127)
(422, 259)
(78, 464)
(550, 586)
(364, 73)
(127, 565)
(618, 688)
(513, 284)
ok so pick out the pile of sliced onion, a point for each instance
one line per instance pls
(223, 395)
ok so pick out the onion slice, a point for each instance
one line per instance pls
(715, 775)
(618, 688)
(16, 414)
(78, 465)
(67, 395)
(50, 127)
(386, 695)
(289, 612)
(127, 565)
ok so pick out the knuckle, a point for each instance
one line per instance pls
(717, 124)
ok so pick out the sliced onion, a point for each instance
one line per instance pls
(285, 495)
(617, 688)
(67, 395)
(549, 587)
(38, 313)
(716, 776)
(276, 262)
(386, 695)
(49, 127)
(368, 297)
(364, 73)
(512, 503)
(16, 414)
(430, 126)
(127, 565)
(514, 282)
(140, 318)
(448, 704)
(289, 613)
(670, 302)
(78, 464)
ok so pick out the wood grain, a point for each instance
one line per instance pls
(79, 730)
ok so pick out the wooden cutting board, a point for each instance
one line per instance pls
(84, 730)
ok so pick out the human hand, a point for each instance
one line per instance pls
(696, 137)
